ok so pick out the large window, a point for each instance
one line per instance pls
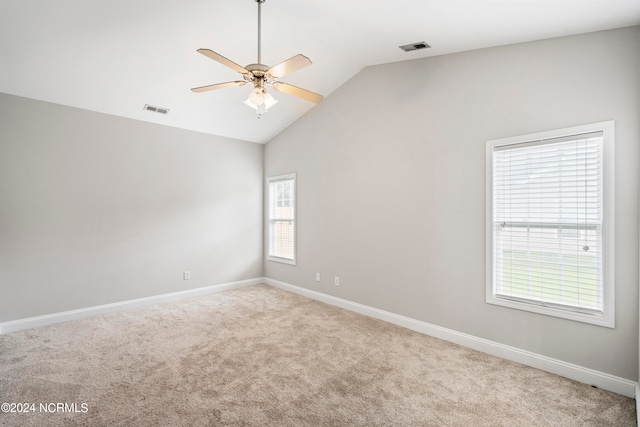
(282, 218)
(550, 223)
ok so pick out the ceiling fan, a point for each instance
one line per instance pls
(262, 76)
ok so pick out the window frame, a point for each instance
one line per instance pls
(607, 317)
(270, 180)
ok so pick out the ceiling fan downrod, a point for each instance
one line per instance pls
(259, 29)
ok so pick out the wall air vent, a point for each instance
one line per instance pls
(160, 110)
(414, 46)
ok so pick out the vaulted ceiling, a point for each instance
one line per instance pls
(116, 56)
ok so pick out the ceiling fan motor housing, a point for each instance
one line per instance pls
(257, 70)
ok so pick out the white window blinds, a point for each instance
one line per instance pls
(282, 212)
(547, 222)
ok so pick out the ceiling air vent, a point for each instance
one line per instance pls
(414, 46)
(156, 109)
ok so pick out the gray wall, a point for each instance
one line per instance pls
(391, 185)
(96, 209)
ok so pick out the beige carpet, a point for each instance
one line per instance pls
(259, 356)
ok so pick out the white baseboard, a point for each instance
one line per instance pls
(637, 404)
(49, 319)
(578, 373)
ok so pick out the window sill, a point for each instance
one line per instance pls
(282, 260)
(594, 319)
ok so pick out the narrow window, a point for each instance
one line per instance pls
(282, 218)
(550, 223)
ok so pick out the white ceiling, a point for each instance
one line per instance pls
(116, 56)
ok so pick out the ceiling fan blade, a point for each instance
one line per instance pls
(289, 66)
(224, 61)
(296, 91)
(218, 86)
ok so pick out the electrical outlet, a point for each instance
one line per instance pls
(336, 281)
(317, 277)
(186, 275)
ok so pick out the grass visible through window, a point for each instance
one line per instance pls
(550, 277)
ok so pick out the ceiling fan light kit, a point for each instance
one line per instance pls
(260, 101)
(261, 75)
